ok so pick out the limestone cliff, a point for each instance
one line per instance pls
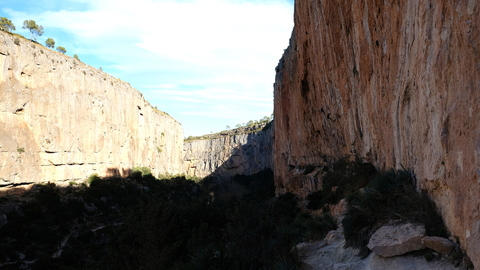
(396, 81)
(230, 154)
(61, 119)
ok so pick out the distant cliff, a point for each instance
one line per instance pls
(397, 82)
(62, 120)
(238, 151)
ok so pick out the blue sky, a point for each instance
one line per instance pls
(207, 63)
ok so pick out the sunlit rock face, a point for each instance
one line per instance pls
(62, 120)
(229, 155)
(396, 81)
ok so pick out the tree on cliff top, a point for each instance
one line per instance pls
(50, 43)
(6, 24)
(35, 29)
(61, 49)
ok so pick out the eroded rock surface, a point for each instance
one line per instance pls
(229, 155)
(394, 240)
(439, 244)
(396, 81)
(62, 120)
(329, 254)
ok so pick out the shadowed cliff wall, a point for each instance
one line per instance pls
(396, 81)
(228, 155)
(62, 120)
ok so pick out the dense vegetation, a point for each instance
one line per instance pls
(389, 196)
(144, 223)
(340, 181)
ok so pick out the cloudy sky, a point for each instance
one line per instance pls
(207, 63)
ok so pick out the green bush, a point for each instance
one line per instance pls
(143, 170)
(92, 178)
(165, 175)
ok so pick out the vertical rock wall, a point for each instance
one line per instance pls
(396, 81)
(62, 120)
(229, 155)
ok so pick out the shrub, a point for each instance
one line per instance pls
(343, 178)
(165, 175)
(315, 227)
(61, 49)
(390, 196)
(92, 178)
(194, 178)
(142, 170)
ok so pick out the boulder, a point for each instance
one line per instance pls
(439, 244)
(330, 254)
(389, 241)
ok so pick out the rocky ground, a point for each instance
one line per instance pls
(330, 254)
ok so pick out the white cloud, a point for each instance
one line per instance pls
(211, 57)
(209, 95)
(218, 33)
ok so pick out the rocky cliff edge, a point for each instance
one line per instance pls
(397, 82)
(62, 120)
(238, 151)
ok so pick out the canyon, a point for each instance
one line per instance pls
(394, 82)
